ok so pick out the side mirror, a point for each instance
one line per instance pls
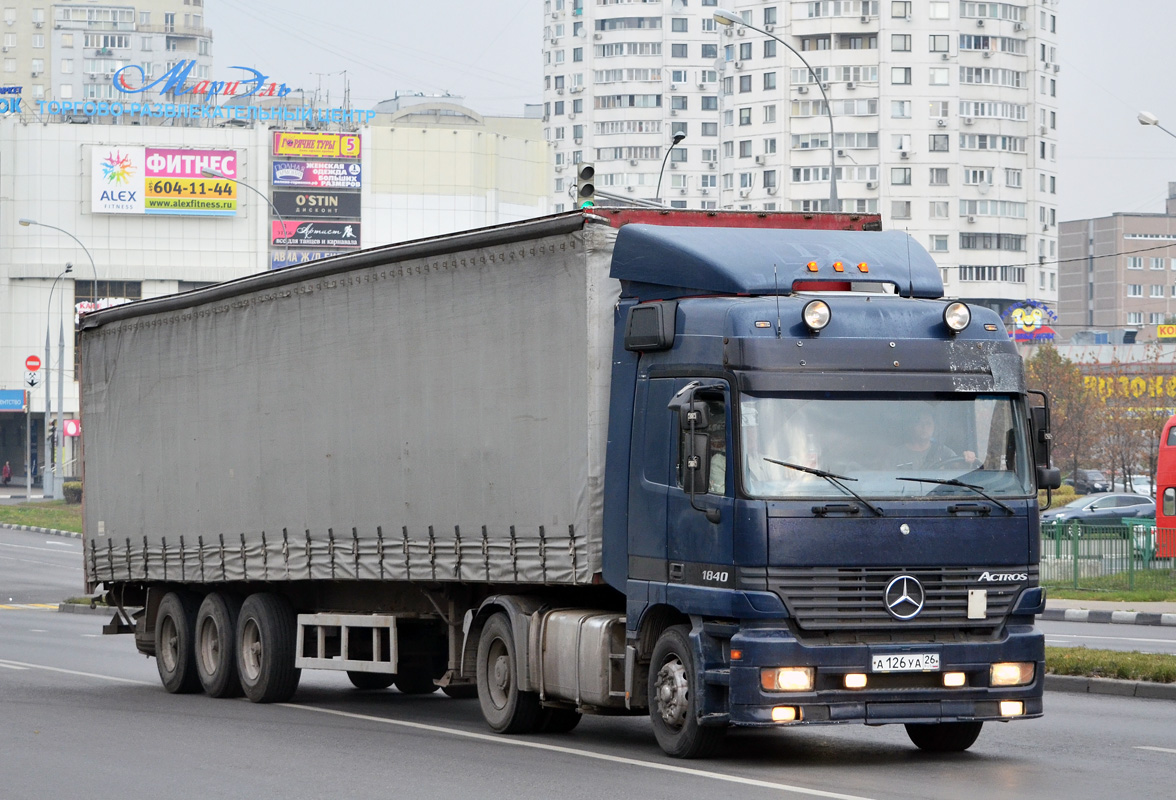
(1042, 438)
(696, 465)
(1049, 478)
(693, 416)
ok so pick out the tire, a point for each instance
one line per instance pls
(266, 643)
(415, 682)
(559, 720)
(216, 635)
(944, 737)
(175, 651)
(504, 707)
(673, 680)
(370, 680)
(461, 691)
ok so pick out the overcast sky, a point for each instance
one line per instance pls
(1116, 59)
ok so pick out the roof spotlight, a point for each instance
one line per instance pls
(816, 315)
(957, 316)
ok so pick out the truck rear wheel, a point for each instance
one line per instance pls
(944, 737)
(559, 720)
(415, 682)
(370, 680)
(672, 699)
(216, 631)
(266, 644)
(175, 651)
(505, 708)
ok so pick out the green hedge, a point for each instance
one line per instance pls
(72, 492)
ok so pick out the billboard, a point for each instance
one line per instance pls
(12, 399)
(292, 258)
(159, 180)
(316, 145)
(318, 174)
(315, 235)
(317, 205)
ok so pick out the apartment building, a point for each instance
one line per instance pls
(944, 117)
(70, 51)
(1119, 272)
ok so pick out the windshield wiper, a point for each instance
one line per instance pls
(956, 482)
(836, 480)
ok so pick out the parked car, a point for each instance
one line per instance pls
(1106, 508)
(1088, 481)
(1136, 484)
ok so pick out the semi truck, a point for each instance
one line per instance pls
(719, 468)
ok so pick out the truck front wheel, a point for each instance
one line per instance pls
(216, 630)
(505, 708)
(673, 702)
(944, 737)
(175, 651)
(266, 644)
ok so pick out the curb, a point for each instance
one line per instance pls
(1108, 617)
(82, 608)
(1077, 684)
(55, 532)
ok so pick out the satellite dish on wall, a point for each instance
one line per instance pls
(677, 6)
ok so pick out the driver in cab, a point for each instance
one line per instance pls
(921, 450)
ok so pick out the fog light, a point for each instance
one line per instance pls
(787, 679)
(855, 680)
(817, 314)
(1011, 708)
(785, 714)
(954, 679)
(957, 316)
(1012, 673)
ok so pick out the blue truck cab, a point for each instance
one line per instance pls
(821, 499)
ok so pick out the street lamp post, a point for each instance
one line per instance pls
(1148, 118)
(48, 483)
(678, 137)
(26, 222)
(212, 173)
(730, 18)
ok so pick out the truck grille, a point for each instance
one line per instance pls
(830, 599)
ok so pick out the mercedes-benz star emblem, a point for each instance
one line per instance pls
(904, 597)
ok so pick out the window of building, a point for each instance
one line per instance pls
(939, 43)
(745, 116)
(678, 127)
(770, 147)
(1134, 317)
(900, 141)
(679, 25)
(1135, 290)
(939, 76)
(939, 209)
(1156, 263)
(710, 129)
(769, 48)
(900, 9)
(769, 80)
(938, 176)
(745, 51)
(746, 180)
(900, 42)
(678, 155)
(937, 9)
(938, 243)
(679, 102)
(939, 143)
(744, 83)
(900, 75)
(1013, 178)
(1135, 262)
(900, 176)
(1157, 290)
(679, 51)
(770, 15)
(770, 113)
(745, 148)
(710, 102)
(900, 209)
(710, 52)
(900, 109)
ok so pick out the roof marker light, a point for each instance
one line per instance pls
(863, 267)
(812, 266)
(956, 316)
(838, 266)
(817, 315)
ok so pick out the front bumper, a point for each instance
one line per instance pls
(897, 697)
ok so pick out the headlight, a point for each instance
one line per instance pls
(957, 316)
(817, 314)
(1013, 673)
(787, 679)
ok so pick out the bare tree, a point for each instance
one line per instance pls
(1074, 406)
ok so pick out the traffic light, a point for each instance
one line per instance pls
(585, 185)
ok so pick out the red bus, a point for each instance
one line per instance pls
(1166, 492)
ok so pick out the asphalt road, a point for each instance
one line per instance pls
(39, 568)
(1144, 638)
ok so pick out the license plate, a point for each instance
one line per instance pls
(905, 662)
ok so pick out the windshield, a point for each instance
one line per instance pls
(975, 439)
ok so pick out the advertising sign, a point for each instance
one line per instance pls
(1029, 321)
(317, 205)
(1166, 331)
(292, 258)
(12, 399)
(155, 180)
(316, 145)
(315, 235)
(317, 174)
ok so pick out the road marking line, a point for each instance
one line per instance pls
(633, 762)
(11, 666)
(19, 664)
(1065, 636)
(27, 606)
(1157, 749)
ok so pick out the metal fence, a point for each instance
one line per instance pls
(1105, 557)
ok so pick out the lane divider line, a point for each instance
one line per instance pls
(633, 762)
(22, 664)
(1156, 749)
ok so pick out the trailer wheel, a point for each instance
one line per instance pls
(461, 691)
(944, 737)
(672, 707)
(505, 708)
(370, 680)
(175, 652)
(266, 643)
(216, 631)
(559, 720)
(415, 682)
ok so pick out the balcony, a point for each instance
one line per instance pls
(176, 30)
